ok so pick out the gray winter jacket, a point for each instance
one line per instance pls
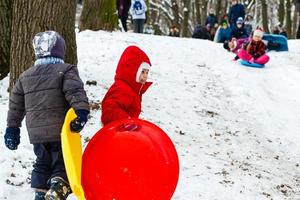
(44, 94)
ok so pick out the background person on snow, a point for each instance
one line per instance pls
(212, 19)
(124, 97)
(44, 93)
(236, 10)
(239, 31)
(249, 23)
(224, 33)
(255, 50)
(123, 7)
(201, 32)
(138, 12)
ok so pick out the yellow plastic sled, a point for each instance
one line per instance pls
(72, 153)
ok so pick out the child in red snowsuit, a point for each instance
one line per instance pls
(255, 50)
(123, 99)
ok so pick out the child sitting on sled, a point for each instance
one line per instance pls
(254, 51)
(123, 99)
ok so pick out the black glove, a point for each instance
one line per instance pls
(81, 119)
(255, 56)
(12, 137)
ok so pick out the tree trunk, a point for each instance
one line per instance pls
(281, 12)
(5, 30)
(218, 9)
(197, 8)
(298, 31)
(288, 18)
(175, 10)
(30, 17)
(203, 10)
(264, 9)
(98, 15)
(186, 13)
(295, 18)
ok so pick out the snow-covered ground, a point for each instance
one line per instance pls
(236, 129)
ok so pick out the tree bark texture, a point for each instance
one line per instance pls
(265, 18)
(197, 8)
(31, 17)
(5, 31)
(98, 15)
(288, 18)
(186, 13)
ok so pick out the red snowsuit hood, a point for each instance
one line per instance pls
(128, 66)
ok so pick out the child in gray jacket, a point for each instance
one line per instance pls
(44, 93)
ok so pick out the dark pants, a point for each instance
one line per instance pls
(123, 19)
(49, 163)
(138, 25)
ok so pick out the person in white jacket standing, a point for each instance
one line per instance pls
(138, 12)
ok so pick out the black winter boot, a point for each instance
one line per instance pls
(59, 189)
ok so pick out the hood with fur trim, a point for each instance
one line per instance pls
(130, 65)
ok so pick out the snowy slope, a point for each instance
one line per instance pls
(236, 129)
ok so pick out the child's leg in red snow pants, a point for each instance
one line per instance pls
(262, 59)
(244, 55)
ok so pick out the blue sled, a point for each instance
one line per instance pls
(276, 42)
(248, 64)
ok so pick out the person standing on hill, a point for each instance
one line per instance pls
(239, 30)
(138, 12)
(123, 7)
(236, 10)
(212, 19)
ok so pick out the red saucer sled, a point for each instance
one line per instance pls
(130, 160)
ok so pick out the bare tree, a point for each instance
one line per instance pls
(288, 18)
(298, 13)
(186, 12)
(98, 15)
(5, 30)
(295, 18)
(265, 16)
(175, 9)
(203, 10)
(30, 17)
(281, 11)
(197, 10)
(218, 8)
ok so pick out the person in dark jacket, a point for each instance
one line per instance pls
(212, 19)
(201, 32)
(44, 93)
(236, 10)
(123, 7)
(249, 24)
(239, 31)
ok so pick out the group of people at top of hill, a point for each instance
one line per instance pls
(235, 24)
(238, 34)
